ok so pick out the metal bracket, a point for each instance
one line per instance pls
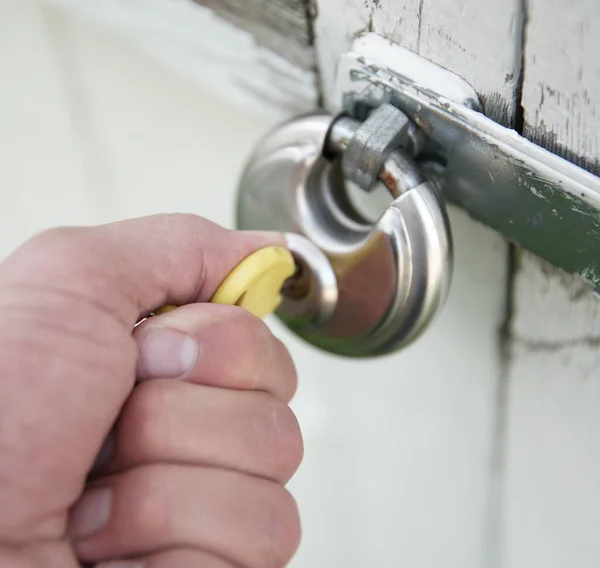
(533, 197)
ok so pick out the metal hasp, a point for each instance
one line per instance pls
(361, 289)
(533, 197)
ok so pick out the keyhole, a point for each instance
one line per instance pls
(299, 285)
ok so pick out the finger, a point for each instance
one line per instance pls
(69, 299)
(189, 558)
(50, 554)
(133, 267)
(175, 422)
(246, 520)
(215, 345)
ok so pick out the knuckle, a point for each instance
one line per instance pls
(62, 243)
(148, 504)
(288, 374)
(56, 237)
(258, 353)
(283, 528)
(250, 336)
(283, 431)
(187, 224)
(248, 326)
(75, 261)
(183, 221)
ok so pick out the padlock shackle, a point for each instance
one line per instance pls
(376, 287)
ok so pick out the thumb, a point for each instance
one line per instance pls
(70, 299)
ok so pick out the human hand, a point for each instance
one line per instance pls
(193, 473)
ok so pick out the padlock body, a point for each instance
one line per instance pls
(371, 288)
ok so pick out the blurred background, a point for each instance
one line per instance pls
(399, 452)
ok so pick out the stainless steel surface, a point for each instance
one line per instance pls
(394, 168)
(391, 277)
(315, 294)
(384, 130)
(536, 199)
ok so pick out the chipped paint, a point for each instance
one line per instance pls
(537, 200)
(212, 52)
(279, 25)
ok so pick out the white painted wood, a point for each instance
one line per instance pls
(161, 142)
(553, 438)
(388, 442)
(560, 95)
(479, 41)
(283, 26)
(337, 23)
(208, 50)
(42, 178)
(398, 449)
(553, 308)
(111, 113)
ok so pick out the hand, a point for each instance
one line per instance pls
(201, 438)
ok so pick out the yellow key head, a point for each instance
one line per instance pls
(256, 283)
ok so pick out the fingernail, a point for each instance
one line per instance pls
(123, 564)
(166, 353)
(90, 514)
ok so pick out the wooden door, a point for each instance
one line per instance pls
(534, 64)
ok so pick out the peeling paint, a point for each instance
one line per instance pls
(546, 138)
(536, 200)
(282, 26)
(553, 346)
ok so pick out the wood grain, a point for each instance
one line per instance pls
(282, 26)
(562, 82)
(553, 438)
(478, 39)
(481, 41)
(255, 55)
(491, 447)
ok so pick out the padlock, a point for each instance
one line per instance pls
(361, 288)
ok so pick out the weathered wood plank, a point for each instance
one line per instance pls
(43, 179)
(337, 22)
(166, 144)
(478, 39)
(560, 97)
(553, 426)
(263, 69)
(282, 26)
(553, 438)
(481, 41)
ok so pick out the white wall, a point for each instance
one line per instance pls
(399, 451)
